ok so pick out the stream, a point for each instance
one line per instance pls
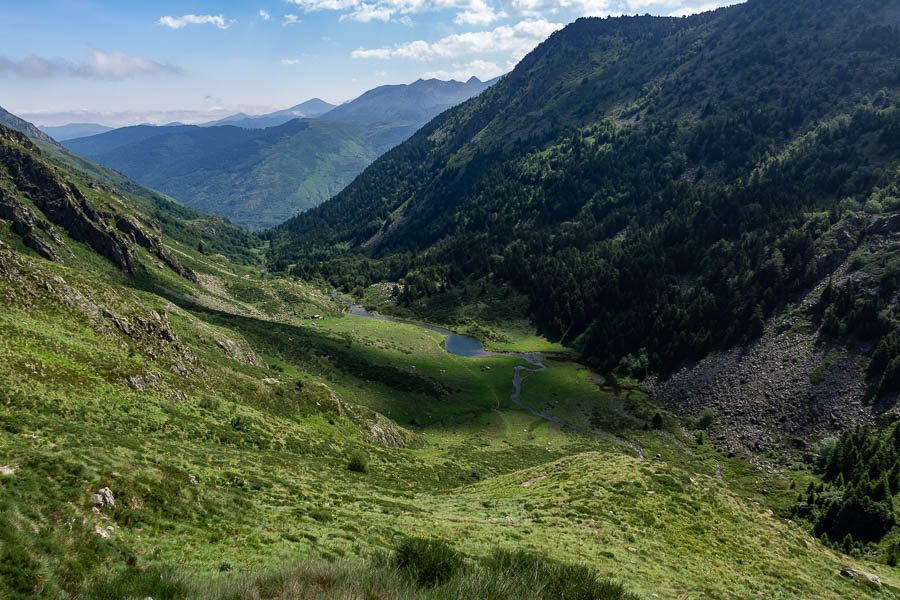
(469, 347)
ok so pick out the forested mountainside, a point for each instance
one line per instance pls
(657, 187)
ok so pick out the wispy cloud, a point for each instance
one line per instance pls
(290, 61)
(185, 20)
(699, 8)
(101, 65)
(517, 40)
(212, 111)
(471, 12)
(481, 69)
(291, 20)
(265, 16)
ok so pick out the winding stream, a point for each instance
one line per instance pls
(469, 347)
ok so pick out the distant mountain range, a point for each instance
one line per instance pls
(62, 133)
(258, 171)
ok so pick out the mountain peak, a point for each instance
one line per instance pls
(473, 79)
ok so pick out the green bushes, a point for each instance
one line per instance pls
(428, 562)
(160, 583)
(358, 462)
(417, 569)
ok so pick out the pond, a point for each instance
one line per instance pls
(454, 343)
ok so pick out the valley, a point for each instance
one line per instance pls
(620, 324)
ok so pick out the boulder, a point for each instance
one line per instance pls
(103, 497)
(862, 577)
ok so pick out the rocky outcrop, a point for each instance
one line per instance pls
(861, 577)
(129, 225)
(61, 201)
(23, 223)
(374, 427)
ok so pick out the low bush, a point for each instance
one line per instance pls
(358, 462)
(429, 562)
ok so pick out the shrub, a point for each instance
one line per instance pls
(160, 583)
(706, 419)
(358, 462)
(428, 562)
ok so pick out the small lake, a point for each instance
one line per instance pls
(454, 343)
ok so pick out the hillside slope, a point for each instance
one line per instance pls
(13, 122)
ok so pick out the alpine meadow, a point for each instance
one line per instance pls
(605, 310)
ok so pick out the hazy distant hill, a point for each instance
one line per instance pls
(74, 130)
(413, 103)
(259, 177)
(254, 177)
(305, 110)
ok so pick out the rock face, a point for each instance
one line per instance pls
(60, 201)
(25, 223)
(114, 237)
(129, 225)
(867, 579)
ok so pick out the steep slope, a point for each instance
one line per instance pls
(258, 178)
(652, 184)
(74, 130)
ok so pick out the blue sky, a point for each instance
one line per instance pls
(124, 62)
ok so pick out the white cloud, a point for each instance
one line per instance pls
(101, 65)
(481, 69)
(210, 112)
(693, 10)
(369, 12)
(471, 12)
(479, 13)
(291, 20)
(290, 61)
(516, 40)
(588, 8)
(183, 21)
(265, 16)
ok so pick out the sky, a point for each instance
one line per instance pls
(121, 62)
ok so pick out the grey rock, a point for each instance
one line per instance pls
(862, 577)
